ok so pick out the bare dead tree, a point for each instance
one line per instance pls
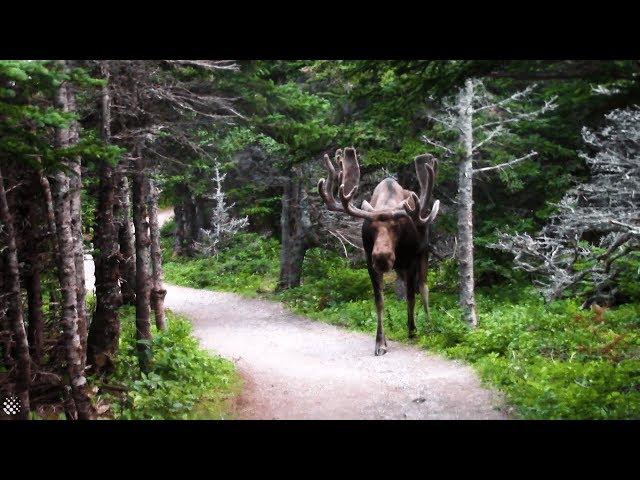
(223, 225)
(478, 119)
(598, 222)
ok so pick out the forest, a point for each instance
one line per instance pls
(246, 239)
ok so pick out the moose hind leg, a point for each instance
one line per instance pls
(424, 293)
(411, 301)
(381, 341)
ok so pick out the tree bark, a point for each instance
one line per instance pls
(65, 100)
(189, 223)
(126, 239)
(158, 291)
(33, 277)
(465, 207)
(76, 219)
(293, 228)
(143, 261)
(5, 328)
(178, 242)
(203, 218)
(67, 272)
(102, 343)
(72, 326)
(13, 304)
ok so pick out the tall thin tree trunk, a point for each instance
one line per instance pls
(102, 343)
(66, 243)
(13, 304)
(158, 291)
(65, 137)
(5, 328)
(294, 244)
(143, 261)
(76, 219)
(189, 223)
(178, 242)
(465, 208)
(126, 239)
(203, 218)
(33, 280)
(67, 273)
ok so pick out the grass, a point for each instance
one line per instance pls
(185, 382)
(552, 361)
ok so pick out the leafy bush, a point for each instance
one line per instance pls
(184, 382)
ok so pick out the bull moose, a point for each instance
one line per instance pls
(395, 231)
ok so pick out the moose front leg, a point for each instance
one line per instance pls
(381, 341)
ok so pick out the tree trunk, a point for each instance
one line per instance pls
(158, 291)
(76, 218)
(204, 220)
(33, 277)
(143, 262)
(13, 302)
(102, 343)
(465, 208)
(67, 273)
(294, 244)
(5, 328)
(54, 303)
(67, 136)
(67, 249)
(126, 239)
(178, 242)
(190, 224)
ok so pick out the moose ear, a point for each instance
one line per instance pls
(366, 206)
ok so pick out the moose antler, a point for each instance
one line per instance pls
(349, 179)
(326, 186)
(426, 170)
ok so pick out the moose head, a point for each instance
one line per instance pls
(396, 227)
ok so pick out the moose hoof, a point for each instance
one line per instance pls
(381, 350)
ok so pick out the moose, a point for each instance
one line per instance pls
(395, 231)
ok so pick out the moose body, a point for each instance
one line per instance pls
(395, 232)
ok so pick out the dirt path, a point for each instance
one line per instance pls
(296, 368)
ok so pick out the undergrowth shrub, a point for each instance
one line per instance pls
(185, 381)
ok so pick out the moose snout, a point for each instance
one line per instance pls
(383, 262)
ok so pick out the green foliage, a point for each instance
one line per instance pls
(248, 266)
(185, 381)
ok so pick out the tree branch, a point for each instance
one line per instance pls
(505, 165)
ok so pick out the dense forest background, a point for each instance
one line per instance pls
(236, 149)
